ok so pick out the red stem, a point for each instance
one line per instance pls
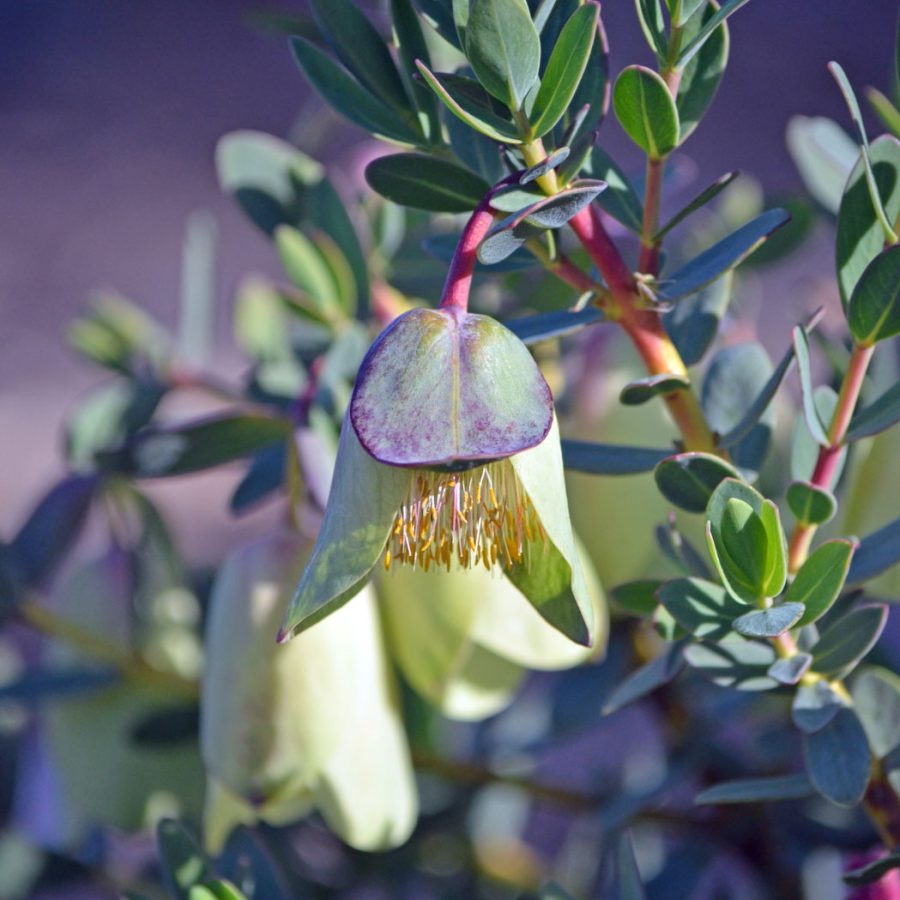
(591, 232)
(459, 276)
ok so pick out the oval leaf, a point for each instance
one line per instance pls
(810, 504)
(846, 641)
(769, 623)
(689, 479)
(423, 182)
(642, 390)
(609, 459)
(700, 607)
(821, 578)
(504, 48)
(756, 790)
(838, 759)
(646, 110)
(873, 312)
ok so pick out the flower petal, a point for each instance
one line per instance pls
(443, 386)
(362, 503)
(429, 620)
(554, 581)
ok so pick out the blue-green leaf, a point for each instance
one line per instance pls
(876, 553)
(769, 623)
(838, 759)
(702, 608)
(846, 641)
(878, 416)
(619, 199)
(757, 790)
(815, 705)
(694, 321)
(740, 663)
(692, 47)
(642, 390)
(704, 197)
(349, 98)
(646, 679)
(547, 326)
(610, 459)
(811, 414)
(723, 256)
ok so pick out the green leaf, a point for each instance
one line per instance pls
(845, 642)
(439, 14)
(183, 863)
(565, 69)
(642, 390)
(701, 76)
(702, 608)
(593, 93)
(619, 199)
(756, 790)
(810, 504)
(693, 46)
(473, 114)
(824, 154)
(860, 237)
(873, 871)
(342, 92)
(815, 705)
(215, 890)
(610, 459)
(682, 11)
(737, 539)
(689, 479)
(810, 413)
(648, 678)
(727, 254)
(503, 48)
(838, 760)
(741, 664)
(876, 553)
(776, 553)
(694, 321)
(821, 578)
(307, 268)
(411, 46)
(204, 445)
(885, 224)
(873, 312)
(878, 416)
(704, 197)
(653, 25)
(769, 623)
(423, 182)
(638, 597)
(646, 110)
(361, 49)
(876, 698)
(885, 110)
(549, 326)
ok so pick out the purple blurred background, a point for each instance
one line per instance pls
(110, 113)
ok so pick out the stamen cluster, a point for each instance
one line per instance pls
(477, 517)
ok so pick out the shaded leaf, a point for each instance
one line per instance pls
(873, 871)
(702, 608)
(183, 862)
(757, 790)
(824, 155)
(689, 479)
(810, 413)
(845, 642)
(694, 321)
(876, 553)
(650, 15)
(610, 459)
(547, 326)
(723, 256)
(838, 760)
(704, 197)
(637, 597)
(878, 416)
(790, 669)
(423, 182)
(814, 706)
(876, 698)
(642, 390)
(619, 199)
(693, 46)
(873, 311)
(740, 664)
(648, 678)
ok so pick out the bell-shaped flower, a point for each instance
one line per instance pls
(449, 457)
(465, 640)
(312, 724)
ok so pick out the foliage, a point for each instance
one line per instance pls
(753, 663)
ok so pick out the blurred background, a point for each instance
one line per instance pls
(109, 115)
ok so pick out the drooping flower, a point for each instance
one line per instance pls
(315, 724)
(449, 457)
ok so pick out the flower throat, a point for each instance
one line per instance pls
(479, 516)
